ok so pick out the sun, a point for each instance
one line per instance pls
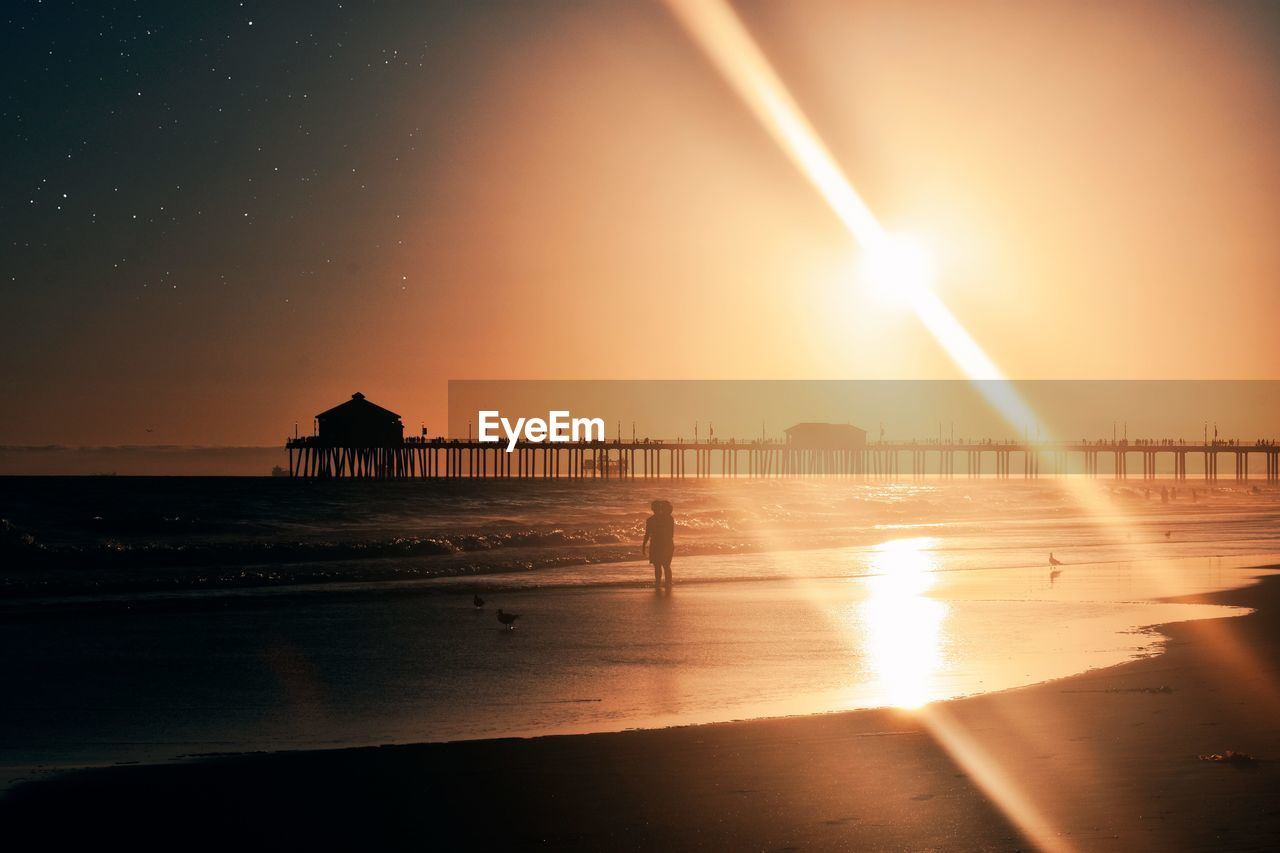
(897, 268)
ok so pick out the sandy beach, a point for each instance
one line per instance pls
(1110, 759)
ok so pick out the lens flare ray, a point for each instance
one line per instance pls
(726, 42)
(721, 35)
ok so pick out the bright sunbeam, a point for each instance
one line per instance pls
(721, 35)
(893, 263)
(735, 54)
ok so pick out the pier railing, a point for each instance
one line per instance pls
(621, 459)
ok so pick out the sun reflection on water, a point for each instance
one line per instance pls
(902, 624)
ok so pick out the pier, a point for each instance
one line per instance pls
(359, 439)
(618, 459)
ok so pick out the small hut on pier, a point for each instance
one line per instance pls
(359, 423)
(819, 436)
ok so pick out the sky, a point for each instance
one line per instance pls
(222, 218)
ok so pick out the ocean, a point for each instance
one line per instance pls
(143, 619)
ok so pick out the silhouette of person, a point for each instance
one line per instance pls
(659, 536)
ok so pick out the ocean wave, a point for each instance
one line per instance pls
(24, 551)
(107, 534)
(33, 568)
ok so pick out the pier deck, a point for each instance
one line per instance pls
(884, 460)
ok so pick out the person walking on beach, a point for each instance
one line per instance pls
(659, 536)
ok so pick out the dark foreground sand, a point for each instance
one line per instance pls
(1106, 760)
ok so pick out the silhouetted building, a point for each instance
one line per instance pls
(359, 423)
(815, 436)
(608, 467)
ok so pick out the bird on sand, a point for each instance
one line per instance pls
(508, 619)
(1168, 533)
(477, 601)
(1054, 561)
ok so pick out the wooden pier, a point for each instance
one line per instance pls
(420, 458)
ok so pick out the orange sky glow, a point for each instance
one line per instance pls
(1097, 188)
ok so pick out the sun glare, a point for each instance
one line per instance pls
(895, 265)
(903, 626)
(897, 268)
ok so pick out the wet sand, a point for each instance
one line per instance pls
(1107, 760)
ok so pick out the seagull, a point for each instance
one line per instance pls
(508, 619)
(1054, 561)
(477, 601)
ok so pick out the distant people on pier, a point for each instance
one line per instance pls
(659, 538)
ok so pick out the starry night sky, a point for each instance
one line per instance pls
(220, 218)
(212, 135)
(174, 175)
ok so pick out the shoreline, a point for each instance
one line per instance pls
(1106, 759)
(466, 583)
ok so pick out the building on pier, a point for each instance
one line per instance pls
(359, 423)
(605, 467)
(820, 436)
